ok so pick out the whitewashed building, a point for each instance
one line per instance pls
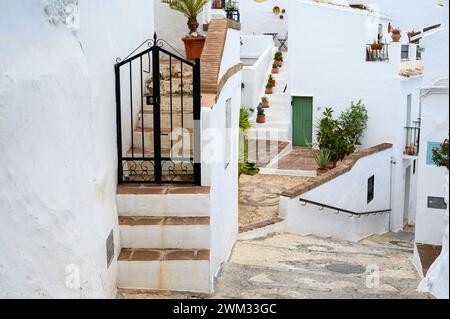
(79, 109)
(432, 194)
(333, 67)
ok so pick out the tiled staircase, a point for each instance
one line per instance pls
(165, 230)
(176, 85)
(165, 238)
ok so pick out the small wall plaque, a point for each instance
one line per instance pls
(437, 203)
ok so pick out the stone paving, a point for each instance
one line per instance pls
(288, 266)
(259, 199)
(284, 266)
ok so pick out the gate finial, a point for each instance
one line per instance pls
(155, 37)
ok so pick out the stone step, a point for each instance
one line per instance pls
(165, 232)
(169, 120)
(177, 140)
(163, 201)
(171, 270)
(175, 86)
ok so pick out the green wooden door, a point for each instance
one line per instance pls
(302, 120)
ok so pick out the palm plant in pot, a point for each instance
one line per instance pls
(194, 42)
(323, 160)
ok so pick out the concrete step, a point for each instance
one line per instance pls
(177, 140)
(171, 270)
(163, 201)
(165, 232)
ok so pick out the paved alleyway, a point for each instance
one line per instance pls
(297, 267)
(288, 266)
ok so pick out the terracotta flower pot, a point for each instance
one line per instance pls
(194, 47)
(279, 63)
(331, 165)
(376, 46)
(275, 70)
(269, 91)
(272, 82)
(217, 4)
(396, 37)
(265, 104)
(261, 119)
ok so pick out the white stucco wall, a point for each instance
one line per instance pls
(330, 66)
(409, 14)
(258, 18)
(435, 121)
(171, 25)
(348, 191)
(437, 282)
(436, 52)
(58, 138)
(255, 77)
(223, 178)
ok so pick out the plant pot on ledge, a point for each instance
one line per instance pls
(194, 47)
(275, 69)
(376, 46)
(265, 103)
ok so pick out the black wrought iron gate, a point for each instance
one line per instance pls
(158, 116)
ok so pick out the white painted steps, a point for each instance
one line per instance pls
(278, 116)
(165, 238)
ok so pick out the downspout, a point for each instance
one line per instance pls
(393, 163)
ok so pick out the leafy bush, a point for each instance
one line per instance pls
(245, 168)
(331, 136)
(354, 121)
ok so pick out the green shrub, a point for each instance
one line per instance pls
(354, 121)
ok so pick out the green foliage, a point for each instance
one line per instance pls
(269, 85)
(279, 56)
(245, 168)
(244, 121)
(275, 66)
(354, 121)
(190, 8)
(323, 158)
(331, 136)
(441, 156)
(248, 169)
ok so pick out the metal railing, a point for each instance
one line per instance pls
(377, 52)
(345, 211)
(412, 145)
(233, 14)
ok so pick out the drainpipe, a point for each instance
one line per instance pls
(393, 163)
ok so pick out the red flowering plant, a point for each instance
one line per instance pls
(440, 155)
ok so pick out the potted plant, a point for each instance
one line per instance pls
(269, 88)
(376, 46)
(261, 117)
(323, 160)
(396, 35)
(272, 81)
(275, 69)
(217, 4)
(279, 59)
(265, 103)
(194, 42)
(441, 155)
